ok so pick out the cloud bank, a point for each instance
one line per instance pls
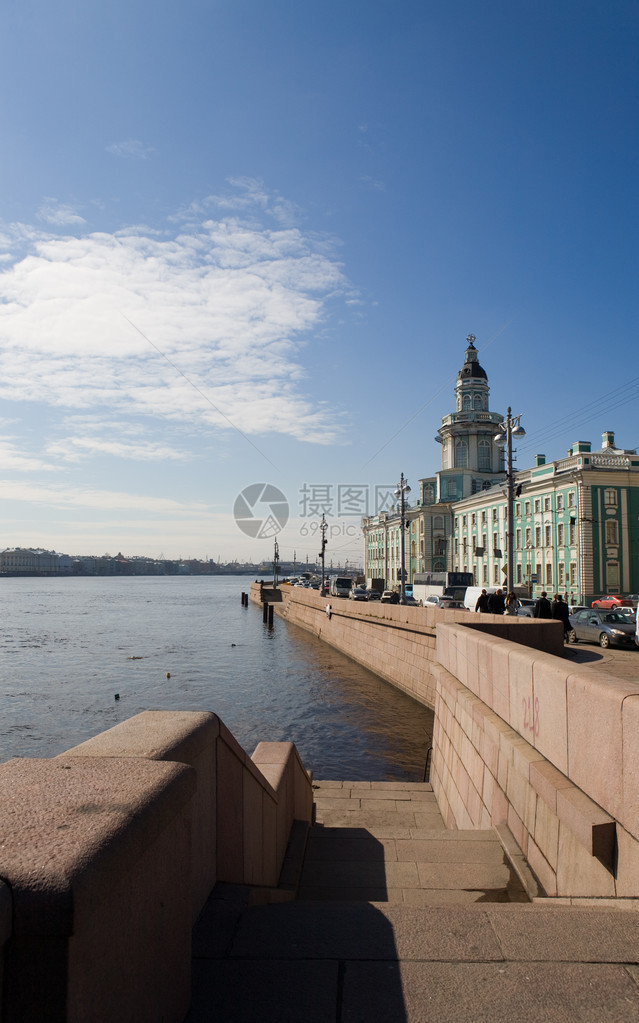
(201, 323)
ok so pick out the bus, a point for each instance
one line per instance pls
(441, 584)
(340, 585)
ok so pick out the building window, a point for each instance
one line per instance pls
(484, 573)
(560, 534)
(452, 488)
(483, 515)
(571, 499)
(561, 575)
(573, 573)
(495, 542)
(495, 573)
(461, 454)
(477, 402)
(518, 539)
(537, 505)
(560, 502)
(473, 519)
(527, 508)
(518, 510)
(548, 574)
(483, 454)
(612, 532)
(548, 532)
(546, 504)
(612, 576)
(466, 403)
(572, 532)
(537, 536)
(518, 575)
(528, 537)
(494, 514)
(610, 498)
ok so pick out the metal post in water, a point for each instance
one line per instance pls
(264, 612)
(270, 615)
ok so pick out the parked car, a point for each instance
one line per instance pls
(448, 604)
(389, 597)
(410, 600)
(373, 595)
(358, 593)
(609, 602)
(574, 608)
(608, 628)
(525, 607)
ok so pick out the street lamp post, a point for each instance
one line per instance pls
(507, 430)
(323, 528)
(400, 493)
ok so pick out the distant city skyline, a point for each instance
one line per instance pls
(243, 244)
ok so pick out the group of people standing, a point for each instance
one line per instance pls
(498, 604)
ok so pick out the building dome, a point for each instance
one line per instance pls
(471, 368)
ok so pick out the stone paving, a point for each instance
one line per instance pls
(398, 920)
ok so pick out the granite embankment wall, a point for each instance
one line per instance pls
(109, 851)
(522, 736)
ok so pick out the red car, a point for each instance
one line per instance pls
(606, 603)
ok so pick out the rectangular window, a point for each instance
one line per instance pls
(494, 514)
(538, 573)
(548, 532)
(473, 519)
(518, 539)
(483, 515)
(517, 510)
(560, 502)
(527, 508)
(561, 575)
(560, 534)
(484, 573)
(573, 573)
(612, 532)
(546, 504)
(572, 532)
(571, 499)
(537, 536)
(528, 537)
(495, 573)
(548, 574)
(537, 505)
(518, 575)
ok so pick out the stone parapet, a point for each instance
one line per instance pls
(523, 738)
(109, 851)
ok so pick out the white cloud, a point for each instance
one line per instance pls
(93, 498)
(220, 310)
(131, 149)
(59, 214)
(14, 459)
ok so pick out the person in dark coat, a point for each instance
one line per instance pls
(497, 603)
(482, 602)
(543, 607)
(559, 610)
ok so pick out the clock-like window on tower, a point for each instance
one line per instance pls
(483, 454)
(461, 454)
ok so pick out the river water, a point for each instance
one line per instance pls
(69, 646)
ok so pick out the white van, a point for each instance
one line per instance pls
(472, 593)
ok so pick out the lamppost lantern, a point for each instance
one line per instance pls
(400, 493)
(511, 427)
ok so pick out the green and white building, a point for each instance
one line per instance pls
(576, 520)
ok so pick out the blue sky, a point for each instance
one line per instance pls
(244, 242)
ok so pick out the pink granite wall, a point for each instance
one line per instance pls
(523, 738)
(109, 851)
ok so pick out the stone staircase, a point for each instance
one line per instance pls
(385, 842)
(391, 918)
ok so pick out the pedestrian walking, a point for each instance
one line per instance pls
(543, 608)
(496, 603)
(482, 602)
(511, 603)
(559, 610)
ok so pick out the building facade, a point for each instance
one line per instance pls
(575, 522)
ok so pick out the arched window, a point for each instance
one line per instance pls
(461, 454)
(466, 406)
(477, 403)
(483, 454)
(438, 522)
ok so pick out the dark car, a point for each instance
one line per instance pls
(608, 628)
(358, 593)
(373, 595)
(525, 607)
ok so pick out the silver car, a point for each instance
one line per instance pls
(607, 628)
